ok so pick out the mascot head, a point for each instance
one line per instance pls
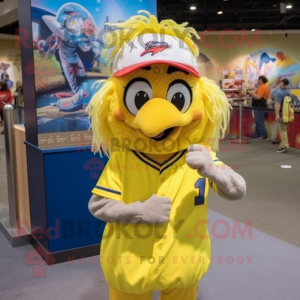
(155, 101)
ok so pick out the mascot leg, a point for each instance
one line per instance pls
(117, 295)
(189, 293)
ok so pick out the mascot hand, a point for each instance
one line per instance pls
(199, 158)
(156, 210)
(229, 184)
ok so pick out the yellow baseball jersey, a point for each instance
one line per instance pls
(138, 258)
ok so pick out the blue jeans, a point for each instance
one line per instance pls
(260, 127)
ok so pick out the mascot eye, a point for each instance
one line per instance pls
(180, 94)
(137, 93)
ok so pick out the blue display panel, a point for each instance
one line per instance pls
(70, 177)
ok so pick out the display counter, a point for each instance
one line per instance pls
(49, 190)
(60, 182)
(249, 124)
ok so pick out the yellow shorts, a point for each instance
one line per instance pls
(189, 293)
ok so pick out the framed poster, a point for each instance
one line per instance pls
(68, 39)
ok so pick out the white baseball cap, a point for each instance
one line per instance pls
(152, 48)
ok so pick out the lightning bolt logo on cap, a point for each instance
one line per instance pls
(155, 47)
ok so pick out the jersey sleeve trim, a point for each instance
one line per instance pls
(106, 193)
(107, 190)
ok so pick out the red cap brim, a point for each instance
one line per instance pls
(132, 68)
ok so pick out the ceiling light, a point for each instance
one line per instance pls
(192, 7)
(289, 6)
(219, 11)
(253, 29)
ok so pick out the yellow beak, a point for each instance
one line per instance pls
(157, 115)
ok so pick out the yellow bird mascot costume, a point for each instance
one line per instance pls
(161, 121)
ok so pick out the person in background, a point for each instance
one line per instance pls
(259, 100)
(275, 124)
(279, 97)
(3, 69)
(18, 94)
(19, 103)
(5, 98)
(9, 83)
(19, 83)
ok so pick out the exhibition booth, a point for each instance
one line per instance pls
(253, 53)
(56, 169)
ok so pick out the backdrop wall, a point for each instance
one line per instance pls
(232, 50)
(10, 60)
